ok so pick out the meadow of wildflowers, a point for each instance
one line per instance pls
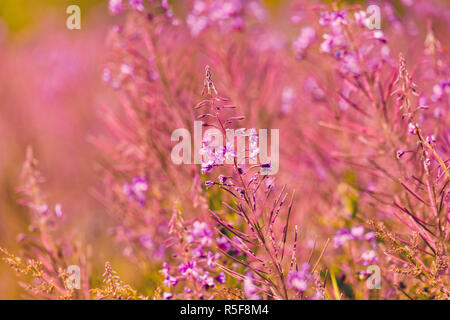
(227, 149)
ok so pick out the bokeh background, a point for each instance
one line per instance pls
(50, 83)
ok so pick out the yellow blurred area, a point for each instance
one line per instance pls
(22, 14)
(49, 82)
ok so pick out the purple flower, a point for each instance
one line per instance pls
(201, 231)
(212, 153)
(333, 19)
(341, 237)
(187, 268)
(107, 75)
(197, 24)
(229, 152)
(412, 128)
(351, 64)
(357, 232)
(287, 98)
(257, 10)
(206, 280)
(42, 209)
(296, 282)
(237, 24)
(299, 279)
(210, 259)
(165, 270)
(187, 290)
(250, 289)
(369, 257)
(440, 89)
(313, 88)
(226, 14)
(223, 243)
(207, 167)
(170, 281)
(379, 35)
(167, 295)
(209, 184)
(370, 236)
(225, 9)
(327, 44)
(160, 252)
(221, 278)
(115, 6)
(146, 241)
(253, 144)
(431, 139)
(437, 113)
(288, 95)
(361, 18)
(137, 5)
(153, 75)
(222, 179)
(301, 43)
(198, 252)
(127, 70)
(165, 4)
(136, 190)
(58, 210)
(199, 7)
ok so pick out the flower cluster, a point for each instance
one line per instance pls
(300, 279)
(358, 233)
(227, 15)
(215, 155)
(117, 7)
(197, 270)
(302, 42)
(136, 190)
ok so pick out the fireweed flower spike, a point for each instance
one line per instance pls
(255, 236)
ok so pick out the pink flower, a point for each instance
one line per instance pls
(379, 35)
(167, 295)
(115, 6)
(137, 5)
(137, 190)
(221, 278)
(357, 232)
(369, 257)
(201, 231)
(412, 128)
(300, 279)
(250, 289)
(300, 44)
(58, 210)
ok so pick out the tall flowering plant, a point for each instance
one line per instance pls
(255, 209)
